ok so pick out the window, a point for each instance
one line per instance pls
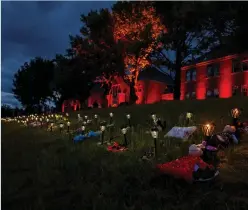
(244, 90)
(191, 75)
(213, 70)
(245, 65)
(216, 93)
(187, 95)
(235, 90)
(193, 95)
(168, 89)
(210, 93)
(236, 66)
(188, 76)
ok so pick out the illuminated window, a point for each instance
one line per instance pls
(188, 76)
(213, 70)
(210, 93)
(191, 75)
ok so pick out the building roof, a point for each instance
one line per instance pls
(152, 73)
(218, 52)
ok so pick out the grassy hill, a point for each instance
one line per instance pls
(44, 170)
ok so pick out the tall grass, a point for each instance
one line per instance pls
(46, 170)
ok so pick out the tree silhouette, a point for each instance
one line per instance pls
(32, 83)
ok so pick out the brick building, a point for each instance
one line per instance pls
(222, 77)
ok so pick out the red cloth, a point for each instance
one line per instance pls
(116, 148)
(183, 167)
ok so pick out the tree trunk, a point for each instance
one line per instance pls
(133, 96)
(178, 65)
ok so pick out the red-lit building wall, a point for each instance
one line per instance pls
(149, 91)
(224, 82)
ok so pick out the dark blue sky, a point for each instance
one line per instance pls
(31, 29)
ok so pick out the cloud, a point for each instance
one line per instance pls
(9, 99)
(31, 29)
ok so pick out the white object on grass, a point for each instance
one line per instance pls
(181, 132)
(194, 150)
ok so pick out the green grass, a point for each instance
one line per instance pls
(47, 171)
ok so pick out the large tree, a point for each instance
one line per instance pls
(193, 30)
(32, 83)
(72, 79)
(96, 43)
(138, 28)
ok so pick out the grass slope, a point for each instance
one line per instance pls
(47, 171)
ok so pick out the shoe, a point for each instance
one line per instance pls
(203, 175)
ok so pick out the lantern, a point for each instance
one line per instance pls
(96, 119)
(189, 115)
(61, 125)
(208, 129)
(83, 129)
(68, 126)
(129, 119)
(51, 127)
(102, 128)
(154, 133)
(124, 132)
(154, 117)
(235, 112)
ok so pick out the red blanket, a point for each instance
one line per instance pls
(116, 148)
(183, 167)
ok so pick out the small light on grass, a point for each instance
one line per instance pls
(51, 127)
(129, 119)
(102, 128)
(208, 130)
(124, 132)
(61, 126)
(68, 126)
(154, 133)
(154, 116)
(83, 129)
(235, 112)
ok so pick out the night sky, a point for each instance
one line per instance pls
(31, 29)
